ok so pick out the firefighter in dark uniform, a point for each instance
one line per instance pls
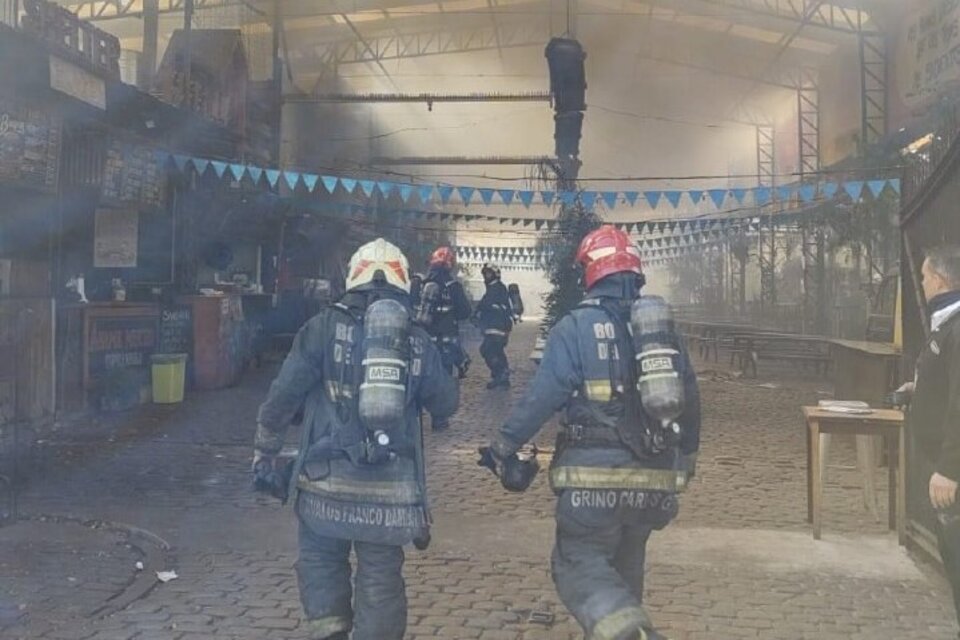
(495, 321)
(361, 372)
(618, 467)
(446, 309)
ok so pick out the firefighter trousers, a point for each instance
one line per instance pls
(377, 610)
(493, 350)
(599, 557)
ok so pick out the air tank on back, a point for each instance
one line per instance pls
(516, 302)
(656, 346)
(386, 347)
(429, 300)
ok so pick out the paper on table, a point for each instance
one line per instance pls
(854, 407)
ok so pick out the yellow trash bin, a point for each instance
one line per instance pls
(169, 374)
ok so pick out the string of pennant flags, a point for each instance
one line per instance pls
(297, 181)
(664, 246)
(640, 227)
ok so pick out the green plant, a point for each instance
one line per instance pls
(559, 248)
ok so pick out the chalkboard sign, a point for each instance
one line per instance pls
(176, 329)
(29, 146)
(131, 173)
(120, 342)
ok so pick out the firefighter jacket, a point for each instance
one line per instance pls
(493, 310)
(337, 494)
(934, 418)
(453, 308)
(580, 373)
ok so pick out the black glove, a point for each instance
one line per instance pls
(490, 460)
(267, 478)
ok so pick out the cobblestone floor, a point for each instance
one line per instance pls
(738, 563)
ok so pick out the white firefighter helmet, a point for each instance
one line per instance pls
(378, 259)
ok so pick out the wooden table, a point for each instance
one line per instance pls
(751, 345)
(887, 423)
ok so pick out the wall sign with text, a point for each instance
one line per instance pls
(29, 146)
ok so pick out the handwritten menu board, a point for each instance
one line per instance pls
(120, 342)
(176, 329)
(131, 173)
(29, 146)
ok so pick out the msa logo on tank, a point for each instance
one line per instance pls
(654, 364)
(383, 373)
(606, 336)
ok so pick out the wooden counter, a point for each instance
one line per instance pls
(104, 354)
(219, 339)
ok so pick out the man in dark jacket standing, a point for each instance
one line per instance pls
(359, 480)
(934, 419)
(612, 491)
(448, 309)
(493, 316)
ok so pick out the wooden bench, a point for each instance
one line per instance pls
(748, 348)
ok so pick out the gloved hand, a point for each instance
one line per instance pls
(267, 478)
(490, 460)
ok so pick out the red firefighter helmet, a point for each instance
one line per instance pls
(443, 257)
(607, 251)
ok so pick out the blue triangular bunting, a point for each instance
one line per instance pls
(568, 197)
(785, 192)
(486, 195)
(310, 181)
(292, 177)
(739, 195)
(507, 195)
(273, 176)
(405, 190)
(609, 198)
(425, 192)
(589, 199)
(548, 197)
(673, 197)
(349, 184)
(894, 184)
(695, 196)
(526, 197)
(218, 167)
(718, 196)
(200, 165)
(236, 170)
(329, 183)
(876, 187)
(466, 194)
(829, 189)
(367, 186)
(445, 193)
(653, 197)
(180, 161)
(255, 174)
(807, 192)
(854, 189)
(631, 197)
(386, 188)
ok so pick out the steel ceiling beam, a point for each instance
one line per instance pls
(435, 42)
(806, 12)
(475, 161)
(428, 98)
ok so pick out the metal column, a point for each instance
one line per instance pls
(873, 88)
(767, 237)
(813, 237)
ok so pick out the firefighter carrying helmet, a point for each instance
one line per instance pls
(606, 251)
(443, 257)
(378, 260)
